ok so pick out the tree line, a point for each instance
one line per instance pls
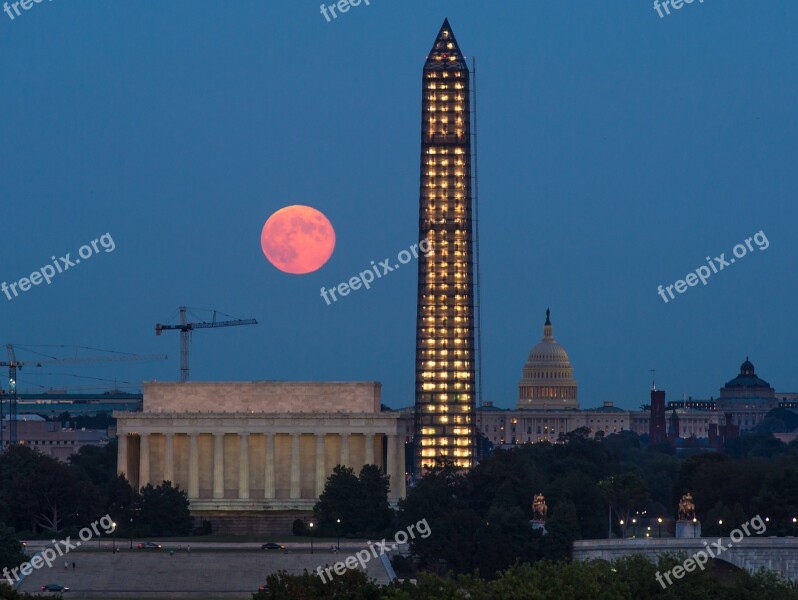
(480, 519)
(44, 497)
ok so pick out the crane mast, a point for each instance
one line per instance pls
(185, 328)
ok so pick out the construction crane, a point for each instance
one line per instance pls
(186, 328)
(13, 364)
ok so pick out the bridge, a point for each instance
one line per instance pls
(779, 554)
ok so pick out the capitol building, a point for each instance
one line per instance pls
(548, 380)
(547, 405)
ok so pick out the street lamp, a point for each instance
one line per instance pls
(623, 530)
(634, 527)
(113, 538)
(311, 538)
(659, 525)
(339, 533)
(131, 533)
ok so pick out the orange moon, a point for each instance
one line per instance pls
(298, 239)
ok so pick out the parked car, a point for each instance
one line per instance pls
(148, 545)
(54, 587)
(272, 546)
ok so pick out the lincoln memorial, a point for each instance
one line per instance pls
(245, 450)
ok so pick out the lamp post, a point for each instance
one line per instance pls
(311, 538)
(623, 530)
(659, 526)
(113, 538)
(634, 528)
(338, 546)
(131, 533)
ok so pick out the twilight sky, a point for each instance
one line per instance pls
(617, 150)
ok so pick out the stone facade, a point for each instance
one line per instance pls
(503, 426)
(262, 396)
(752, 553)
(257, 446)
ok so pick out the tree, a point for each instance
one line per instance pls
(563, 529)
(18, 502)
(62, 498)
(624, 492)
(374, 512)
(580, 433)
(11, 554)
(504, 536)
(778, 500)
(121, 502)
(298, 528)
(762, 445)
(39, 492)
(484, 445)
(361, 503)
(96, 463)
(164, 510)
(353, 585)
(337, 501)
(778, 420)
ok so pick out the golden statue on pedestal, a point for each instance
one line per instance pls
(686, 508)
(539, 507)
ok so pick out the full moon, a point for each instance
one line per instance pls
(298, 239)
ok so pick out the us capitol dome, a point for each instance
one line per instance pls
(548, 377)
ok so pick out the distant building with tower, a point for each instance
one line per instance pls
(656, 429)
(673, 427)
(547, 406)
(46, 421)
(445, 382)
(742, 405)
